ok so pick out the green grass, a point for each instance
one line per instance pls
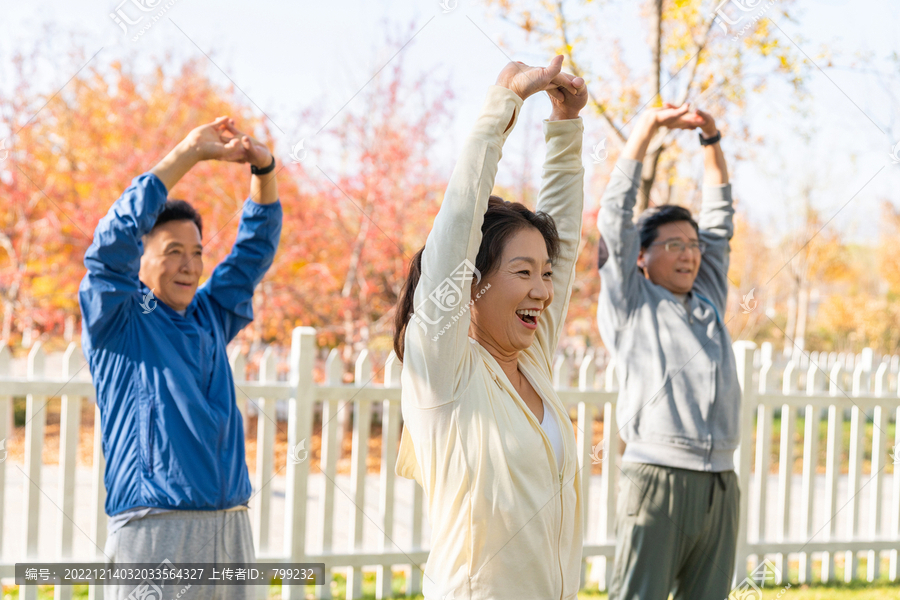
(799, 426)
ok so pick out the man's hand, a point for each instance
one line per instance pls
(567, 105)
(255, 153)
(674, 117)
(209, 142)
(649, 123)
(708, 127)
(219, 140)
(526, 81)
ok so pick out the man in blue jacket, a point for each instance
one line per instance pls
(176, 477)
(663, 291)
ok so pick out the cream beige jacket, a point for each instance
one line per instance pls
(505, 522)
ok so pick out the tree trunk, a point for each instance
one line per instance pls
(802, 310)
(648, 173)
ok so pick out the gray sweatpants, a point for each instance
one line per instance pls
(184, 536)
(676, 531)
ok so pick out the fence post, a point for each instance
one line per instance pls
(362, 422)
(265, 443)
(584, 450)
(69, 421)
(300, 410)
(390, 433)
(832, 468)
(743, 354)
(786, 464)
(814, 381)
(35, 419)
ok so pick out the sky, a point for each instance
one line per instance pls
(289, 55)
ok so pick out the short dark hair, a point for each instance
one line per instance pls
(502, 219)
(178, 210)
(650, 221)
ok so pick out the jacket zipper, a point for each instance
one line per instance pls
(560, 471)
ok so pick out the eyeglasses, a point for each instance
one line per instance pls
(678, 246)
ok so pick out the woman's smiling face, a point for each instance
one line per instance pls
(505, 317)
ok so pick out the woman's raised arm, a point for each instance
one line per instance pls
(436, 336)
(562, 197)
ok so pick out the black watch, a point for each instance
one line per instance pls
(264, 170)
(710, 141)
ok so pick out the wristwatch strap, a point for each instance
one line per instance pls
(710, 141)
(264, 170)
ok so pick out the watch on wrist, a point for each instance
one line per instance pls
(265, 170)
(710, 141)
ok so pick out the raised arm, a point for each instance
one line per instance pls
(716, 221)
(562, 197)
(233, 280)
(111, 284)
(109, 293)
(436, 337)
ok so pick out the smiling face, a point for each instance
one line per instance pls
(173, 262)
(675, 271)
(505, 317)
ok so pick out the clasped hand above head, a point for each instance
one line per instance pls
(568, 94)
(221, 140)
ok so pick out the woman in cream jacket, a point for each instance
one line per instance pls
(485, 434)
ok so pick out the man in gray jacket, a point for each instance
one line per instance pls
(660, 313)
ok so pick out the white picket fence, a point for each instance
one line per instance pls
(371, 539)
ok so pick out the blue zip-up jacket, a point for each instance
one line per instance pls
(173, 436)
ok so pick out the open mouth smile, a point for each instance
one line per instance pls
(528, 318)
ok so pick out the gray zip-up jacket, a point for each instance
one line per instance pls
(679, 399)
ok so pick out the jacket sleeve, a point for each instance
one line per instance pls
(561, 197)
(230, 287)
(619, 288)
(109, 293)
(436, 337)
(716, 228)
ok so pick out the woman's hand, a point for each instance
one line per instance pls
(527, 81)
(567, 105)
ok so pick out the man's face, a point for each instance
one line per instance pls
(674, 271)
(173, 262)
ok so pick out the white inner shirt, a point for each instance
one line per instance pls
(551, 428)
